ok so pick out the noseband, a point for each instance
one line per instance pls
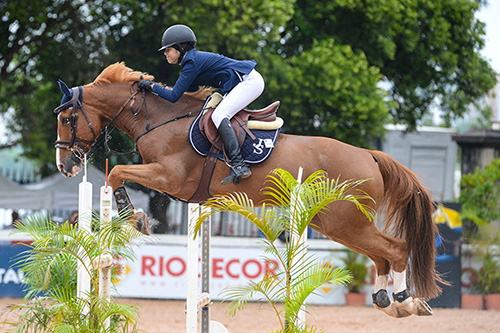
(78, 146)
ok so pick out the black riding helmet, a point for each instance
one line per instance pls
(179, 36)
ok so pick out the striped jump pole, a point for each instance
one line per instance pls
(106, 261)
(199, 301)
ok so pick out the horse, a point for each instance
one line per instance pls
(170, 165)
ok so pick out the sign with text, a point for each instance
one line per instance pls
(11, 277)
(160, 272)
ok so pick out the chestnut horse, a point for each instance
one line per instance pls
(171, 166)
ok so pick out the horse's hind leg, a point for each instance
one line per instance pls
(380, 297)
(351, 228)
(404, 301)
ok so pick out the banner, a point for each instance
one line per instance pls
(160, 272)
(10, 278)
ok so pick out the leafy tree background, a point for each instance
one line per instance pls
(479, 194)
(325, 60)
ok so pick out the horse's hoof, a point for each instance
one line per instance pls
(423, 309)
(141, 222)
(393, 311)
(415, 306)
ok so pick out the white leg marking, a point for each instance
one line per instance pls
(399, 281)
(381, 282)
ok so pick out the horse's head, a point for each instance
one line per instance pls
(81, 118)
(77, 130)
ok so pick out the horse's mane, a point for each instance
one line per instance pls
(119, 73)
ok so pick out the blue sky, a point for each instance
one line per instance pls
(490, 14)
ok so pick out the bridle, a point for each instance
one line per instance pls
(78, 146)
(81, 147)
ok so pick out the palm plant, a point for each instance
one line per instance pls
(50, 273)
(289, 206)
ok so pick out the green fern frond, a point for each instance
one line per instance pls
(50, 268)
(289, 206)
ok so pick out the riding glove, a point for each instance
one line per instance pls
(144, 85)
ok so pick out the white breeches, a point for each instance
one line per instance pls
(239, 97)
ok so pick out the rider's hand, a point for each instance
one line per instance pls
(144, 85)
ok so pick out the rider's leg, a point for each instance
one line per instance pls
(238, 168)
(242, 94)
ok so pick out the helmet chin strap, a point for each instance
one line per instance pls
(182, 51)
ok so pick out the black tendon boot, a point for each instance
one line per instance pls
(238, 169)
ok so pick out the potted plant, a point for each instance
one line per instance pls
(472, 299)
(485, 249)
(489, 282)
(481, 209)
(357, 264)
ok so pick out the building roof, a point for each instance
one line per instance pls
(478, 137)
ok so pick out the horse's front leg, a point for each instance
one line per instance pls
(148, 175)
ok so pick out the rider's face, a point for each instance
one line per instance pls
(172, 55)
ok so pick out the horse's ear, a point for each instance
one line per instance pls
(64, 88)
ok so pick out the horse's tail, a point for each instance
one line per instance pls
(407, 213)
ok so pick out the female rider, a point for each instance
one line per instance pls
(239, 79)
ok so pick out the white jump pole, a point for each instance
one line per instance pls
(84, 220)
(106, 259)
(301, 317)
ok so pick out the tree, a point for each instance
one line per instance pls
(479, 194)
(41, 42)
(427, 50)
(332, 91)
(324, 60)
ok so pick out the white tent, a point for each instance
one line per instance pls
(63, 192)
(14, 196)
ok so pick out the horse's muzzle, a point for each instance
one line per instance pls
(70, 167)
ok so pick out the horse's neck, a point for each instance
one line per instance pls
(133, 120)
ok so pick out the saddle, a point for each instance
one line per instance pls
(204, 138)
(244, 121)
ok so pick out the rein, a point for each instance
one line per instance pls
(186, 115)
(81, 147)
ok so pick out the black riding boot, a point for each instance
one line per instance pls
(238, 169)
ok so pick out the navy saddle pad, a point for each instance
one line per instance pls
(253, 151)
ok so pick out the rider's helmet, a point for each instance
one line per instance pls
(179, 36)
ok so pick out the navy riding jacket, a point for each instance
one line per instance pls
(206, 69)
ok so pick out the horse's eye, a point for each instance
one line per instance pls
(65, 121)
